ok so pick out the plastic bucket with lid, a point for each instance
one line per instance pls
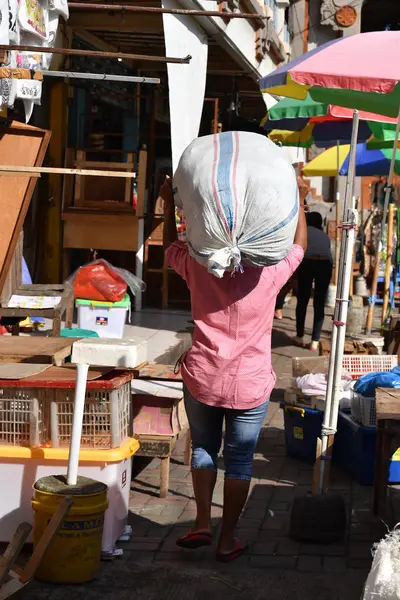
(74, 554)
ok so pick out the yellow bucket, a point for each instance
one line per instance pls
(74, 554)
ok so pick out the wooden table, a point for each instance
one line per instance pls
(35, 349)
(388, 440)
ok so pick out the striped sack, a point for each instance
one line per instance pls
(239, 196)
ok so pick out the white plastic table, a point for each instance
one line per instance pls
(123, 354)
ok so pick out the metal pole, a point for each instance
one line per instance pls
(95, 54)
(77, 422)
(101, 77)
(170, 11)
(378, 253)
(340, 315)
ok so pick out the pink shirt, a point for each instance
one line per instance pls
(229, 364)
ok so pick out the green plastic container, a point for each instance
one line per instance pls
(75, 332)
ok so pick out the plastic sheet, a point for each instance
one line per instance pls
(383, 582)
(367, 384)
(101, 281)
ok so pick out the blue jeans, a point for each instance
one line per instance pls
(242, 428)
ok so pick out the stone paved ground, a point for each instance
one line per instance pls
(275, 567)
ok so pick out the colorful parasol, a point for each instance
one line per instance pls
(360, 71)
(368, 162)
(293, 114)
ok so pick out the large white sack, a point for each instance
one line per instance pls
(239, 195)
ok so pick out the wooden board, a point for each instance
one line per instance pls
(34, 349)
(161, 372)
(21, 370)
(14, 276)
(18, 142)
(100, 231)
(67, 373)
(387, 404)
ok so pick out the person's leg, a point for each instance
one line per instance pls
(206, 432)
(280, 299)
(242, 428)
(305, 275)
(323, 275)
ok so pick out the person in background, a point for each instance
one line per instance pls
(316, 269)
(291, 285)
(227, 374)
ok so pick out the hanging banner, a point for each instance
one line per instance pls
(187, 83)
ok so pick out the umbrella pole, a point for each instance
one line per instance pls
(337, 241)
(388, 265)
(340, 315)
(378, 253)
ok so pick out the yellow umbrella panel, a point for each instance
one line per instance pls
(328, 163)
(302, 139)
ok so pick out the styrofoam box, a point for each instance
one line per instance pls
(296, 398)
(108, 321)
(20, 474)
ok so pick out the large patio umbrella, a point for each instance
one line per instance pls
(360, 72)
(322, 135)
(293, 115)
(368, 162)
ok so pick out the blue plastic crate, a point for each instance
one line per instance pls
(354, 450)
(302, 429)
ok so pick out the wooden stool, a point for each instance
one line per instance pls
(388, 440)
(158, 420)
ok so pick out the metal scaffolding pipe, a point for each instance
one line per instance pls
(95, 53)
(101, 77)
(168, 11)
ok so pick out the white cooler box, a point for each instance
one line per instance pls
(21, 467)
(107, 319)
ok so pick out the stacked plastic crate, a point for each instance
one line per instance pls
(35, 430)
(354, 447)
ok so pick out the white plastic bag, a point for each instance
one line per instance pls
(239, 195)
(383, 582)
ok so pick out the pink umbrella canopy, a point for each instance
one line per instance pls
(361, 71)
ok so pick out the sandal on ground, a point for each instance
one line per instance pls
(194, 539)
(228, 557)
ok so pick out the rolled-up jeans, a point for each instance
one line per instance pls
(242, 428)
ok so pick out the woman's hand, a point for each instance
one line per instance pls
(303, 189)
(166, 192)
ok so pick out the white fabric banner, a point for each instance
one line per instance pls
(187, 83)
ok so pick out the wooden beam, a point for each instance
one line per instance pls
(129, 8)
(28, 171)
(96, 54)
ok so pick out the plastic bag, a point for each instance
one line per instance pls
(383, 580)
(101, 281)
(239, 195)
(367, 384)
(315, 384)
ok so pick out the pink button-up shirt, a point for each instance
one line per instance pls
(229, 364)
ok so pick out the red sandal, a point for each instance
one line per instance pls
(194, 539)
(228, 557)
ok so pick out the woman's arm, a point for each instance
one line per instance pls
(170, 234)
(300, 237)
